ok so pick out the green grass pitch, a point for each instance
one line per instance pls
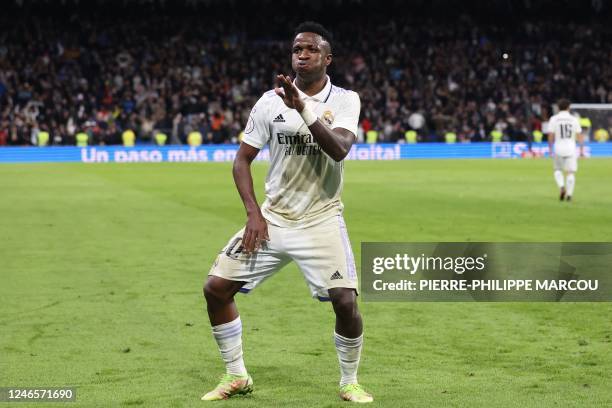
(101, 268)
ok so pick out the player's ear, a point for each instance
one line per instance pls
(328, 59)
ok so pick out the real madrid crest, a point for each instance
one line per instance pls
(328, 117)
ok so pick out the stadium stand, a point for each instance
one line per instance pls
(199, 67)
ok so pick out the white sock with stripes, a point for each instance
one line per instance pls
(229, 340)
(571, 182)
(349, 353)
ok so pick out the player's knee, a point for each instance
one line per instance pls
(215, 291)
(345, 304)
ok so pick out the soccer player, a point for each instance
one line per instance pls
(563, 131)
(309, 125)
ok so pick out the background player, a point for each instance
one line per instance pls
(310, 126)
(563, 130)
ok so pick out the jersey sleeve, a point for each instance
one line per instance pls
(257, 131)
(347, 116)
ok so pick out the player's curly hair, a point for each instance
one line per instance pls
(314, 27)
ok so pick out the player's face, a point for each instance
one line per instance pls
(310, 55)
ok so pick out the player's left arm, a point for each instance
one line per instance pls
(551, 141)
(551, 136)
(580, 139)
(335, 142)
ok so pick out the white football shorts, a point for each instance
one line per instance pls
(322, 252)
(566, 163)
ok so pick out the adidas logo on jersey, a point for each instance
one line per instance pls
(279, 118)
(336, 275)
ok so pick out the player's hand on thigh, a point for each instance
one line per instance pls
(255, 232)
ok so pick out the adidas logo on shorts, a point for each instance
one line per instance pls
(336, 275)
(279, 118)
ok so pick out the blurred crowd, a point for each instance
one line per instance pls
(153, 73)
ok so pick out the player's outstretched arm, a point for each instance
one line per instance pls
(256, 228)
(335, 142)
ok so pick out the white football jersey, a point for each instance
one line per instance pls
(565, 127)
(303, 184)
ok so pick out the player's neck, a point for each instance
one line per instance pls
(311, 86)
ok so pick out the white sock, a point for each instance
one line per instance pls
(559, 178)
(229, 340)
(349, 352)
(571, 182)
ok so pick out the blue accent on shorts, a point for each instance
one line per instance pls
(244, 290)
(323, 299)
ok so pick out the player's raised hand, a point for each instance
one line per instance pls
(289, 93)
(255, 232)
